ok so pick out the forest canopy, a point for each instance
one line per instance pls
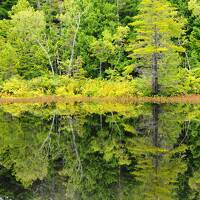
(84, 47)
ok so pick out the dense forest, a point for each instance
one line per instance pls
(95, 99)
(99, 48)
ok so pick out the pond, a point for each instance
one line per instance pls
(100, 151)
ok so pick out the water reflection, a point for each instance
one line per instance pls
(100, 151)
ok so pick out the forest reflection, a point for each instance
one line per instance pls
(100, 151)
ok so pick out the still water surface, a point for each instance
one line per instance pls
(100, 151)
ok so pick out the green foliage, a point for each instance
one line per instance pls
(9, 61)
(18, 87)
(90, 39)
(66, 86)
(110, 48)
(5, 6)
(184, 82)
(157, 26)
(194, 6)
(101, 88)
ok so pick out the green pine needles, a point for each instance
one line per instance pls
(158, 29)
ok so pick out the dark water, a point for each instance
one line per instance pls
(100, 152)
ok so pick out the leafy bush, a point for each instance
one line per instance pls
(111, 88)
(17, 87)
(188, 82)
(71, 87)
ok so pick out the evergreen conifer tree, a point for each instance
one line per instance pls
(157, 27)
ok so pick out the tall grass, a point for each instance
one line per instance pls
(193, 99)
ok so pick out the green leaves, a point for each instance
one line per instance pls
(27, 26)
(9, 61)
(109, 48)
(91, 39)
(194, 6)
(21, 6)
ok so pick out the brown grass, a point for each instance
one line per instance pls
(192, 99)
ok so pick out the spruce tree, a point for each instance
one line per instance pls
(156, 45)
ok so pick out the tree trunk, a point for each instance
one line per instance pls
(38, 5)
(155, 63)
(117, 4)
(155, 74)
(155, 118)
(155, 134)
(46, 51)
(100, 69)
(74, 44)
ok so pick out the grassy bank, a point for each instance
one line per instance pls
(192, 99)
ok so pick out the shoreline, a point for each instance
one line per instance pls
(193, 99)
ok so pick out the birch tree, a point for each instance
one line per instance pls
(71, 18)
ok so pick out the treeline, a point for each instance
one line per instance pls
(156, 43)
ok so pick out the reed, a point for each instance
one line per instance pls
(192, 99)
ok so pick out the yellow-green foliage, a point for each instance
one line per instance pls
(111, 88)
(192, 81)
(107, 88)
(188, 82)
(71, 87)
(65, 86)
(18, 87)
(49, 85)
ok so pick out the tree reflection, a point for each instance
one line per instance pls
(93, 151)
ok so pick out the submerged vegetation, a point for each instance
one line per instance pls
(99, 48)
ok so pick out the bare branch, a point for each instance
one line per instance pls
(47, 55)
(74, 44)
